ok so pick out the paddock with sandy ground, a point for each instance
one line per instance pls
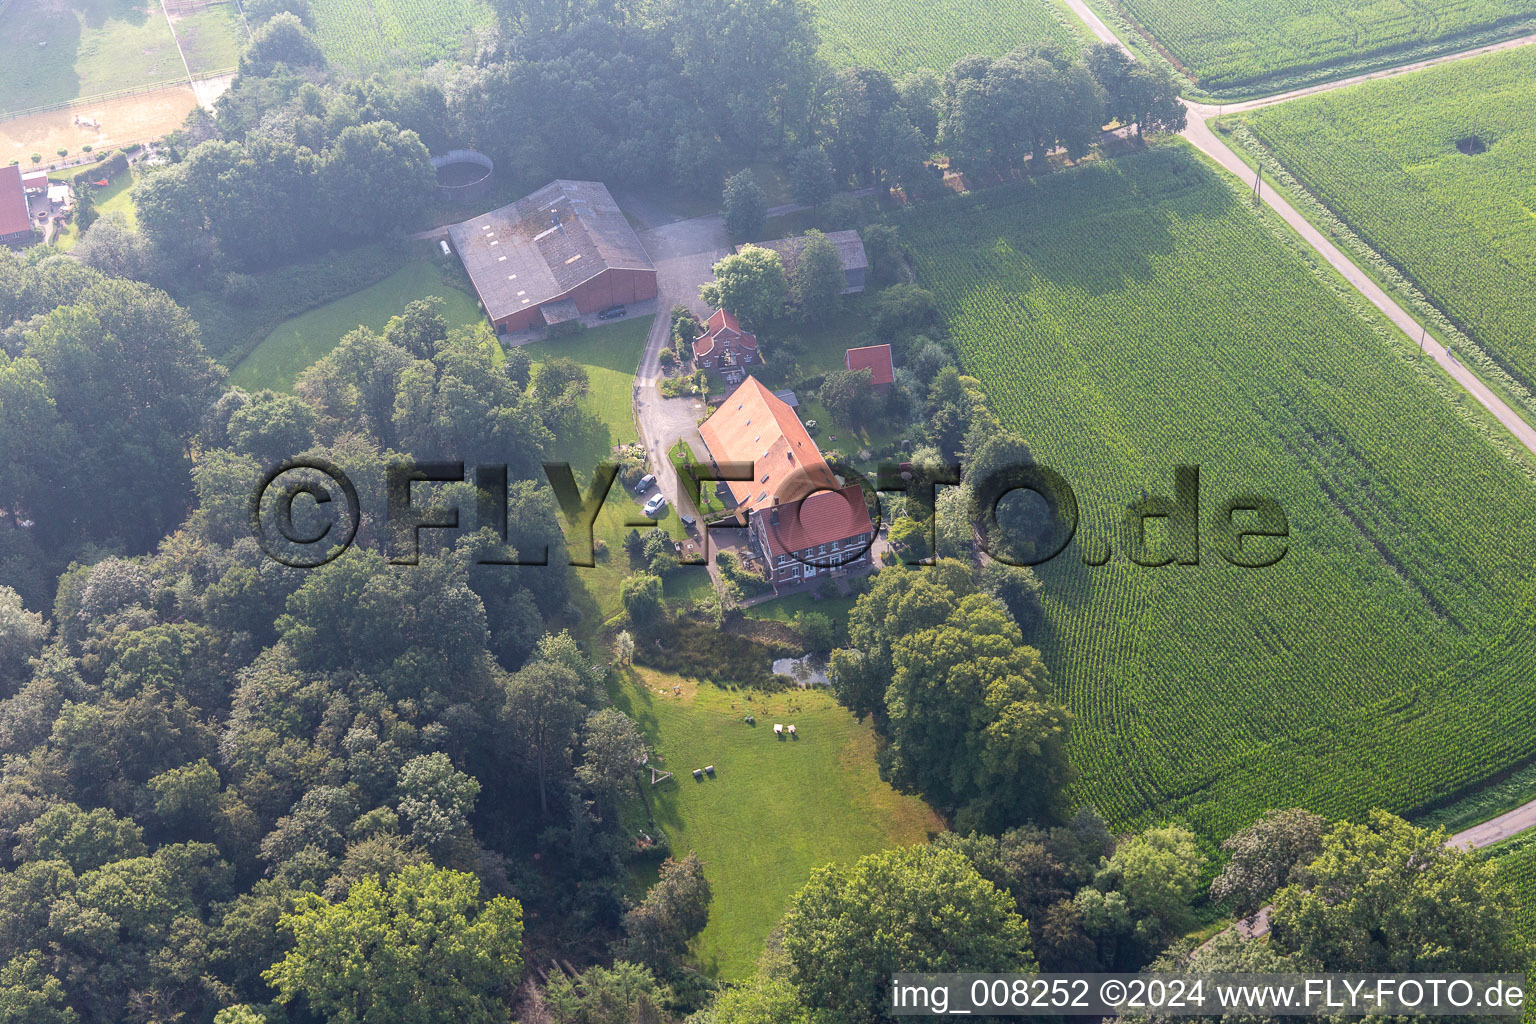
(124, 120)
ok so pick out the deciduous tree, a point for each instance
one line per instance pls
(746, 207)
(751, 284)
(417, 947)
(912, 909)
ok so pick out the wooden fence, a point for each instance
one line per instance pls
(137, 90)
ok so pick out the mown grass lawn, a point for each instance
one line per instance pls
(775, 810)
(296, 344)
(798, 351)
(611, 354)
(115, 198)
(784, 609)
(51, 51)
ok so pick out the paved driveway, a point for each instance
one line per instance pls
(685, 253)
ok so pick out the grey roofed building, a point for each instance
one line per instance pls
(850, 249)
(551, 245)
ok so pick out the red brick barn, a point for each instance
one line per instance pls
(563, 251)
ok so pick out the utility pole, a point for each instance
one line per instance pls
(1423, 334)
(1258, 186)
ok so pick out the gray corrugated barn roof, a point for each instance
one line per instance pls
(545, 245)
(849, 246)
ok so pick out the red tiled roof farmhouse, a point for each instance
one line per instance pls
(822, 518)
(874, 358)
(14, 218)
(754, 425)
(720, 322)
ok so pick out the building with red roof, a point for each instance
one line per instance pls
(803, 521)
(726, 348)
(15, 219)
(877, 360)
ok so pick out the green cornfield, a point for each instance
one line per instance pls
(1248, 44)
(1128, 317)
(366, 35)
(898, 36)
(1434, 170)
(893, 35)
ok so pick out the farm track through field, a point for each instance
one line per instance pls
(1200, 135)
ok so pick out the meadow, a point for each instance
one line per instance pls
(294, 345)
(897, 36)
(374, 35)
(775, 810)
(52, 51)
(1243, 46)
(1137, 315)
(1388, 158)
(211, 39)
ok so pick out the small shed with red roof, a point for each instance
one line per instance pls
(877, 360)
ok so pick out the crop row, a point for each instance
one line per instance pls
(1127, 318)
(1433, 170)
(1233, 43)
(898, 36)
(361, 35)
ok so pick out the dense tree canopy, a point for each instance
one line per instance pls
(418, 947)
(1384, 896)
(914, 909)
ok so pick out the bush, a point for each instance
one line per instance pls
(883, 247)
(564, 329)
(667, 358)
(240, 289)
(843, 212)
(904, 311)
(817, 633)
(699, 649)
(731, 569)
(641, 594)
(112, 166)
